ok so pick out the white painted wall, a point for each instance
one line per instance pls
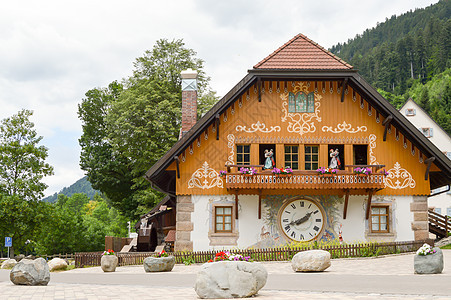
(201, 220)
(404, 219)
(248, 220)
(354, 224)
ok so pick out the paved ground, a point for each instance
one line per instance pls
(388, 277)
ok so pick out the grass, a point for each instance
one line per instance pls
(446, 247)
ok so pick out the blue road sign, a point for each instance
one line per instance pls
(8, 241)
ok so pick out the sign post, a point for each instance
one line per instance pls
(8, 243)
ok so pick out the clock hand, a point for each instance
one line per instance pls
(303, 219)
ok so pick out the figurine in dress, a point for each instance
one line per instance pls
(335, 159)
(269, 161)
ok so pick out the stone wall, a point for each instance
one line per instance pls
(420, 226)
(184, 225)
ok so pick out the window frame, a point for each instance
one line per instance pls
(410, 112)
(311, 154)
(243, 162)
(387, 214)
(290, 162)
(223, 220)
(426, 131)
(301, 102)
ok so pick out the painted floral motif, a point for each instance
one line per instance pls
(205, 178)
(258, 127)
(300, 123)
(399, 178)
(231, 145)
(344, 127)
(371, 147)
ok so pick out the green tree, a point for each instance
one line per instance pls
(22, 160)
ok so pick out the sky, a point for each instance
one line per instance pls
(52, 52)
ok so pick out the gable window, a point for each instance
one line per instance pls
(427, 131)
(379, 219)
(292, 156)
(311, 157)
(301, 102)
(223, 219)
(410, 112)
(243, 154)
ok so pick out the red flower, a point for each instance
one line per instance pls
(222, 253)
(210, 260)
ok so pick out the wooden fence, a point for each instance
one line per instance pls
(84, 259)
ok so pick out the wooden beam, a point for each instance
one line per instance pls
(386, 123)
(345, 208)
(368, 204)
(259, 89)
(217, 127)
(344, 85)
(259, 204)
(429, 163)
(177, 163)
(236, 204)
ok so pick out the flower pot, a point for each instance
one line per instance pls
(159, 264)
(108, 263)
(429, 264)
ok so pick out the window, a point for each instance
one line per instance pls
(301, 102)
(448, 154)
(438, 210)
(243, 154)
(379, 219)
(427, 131)
(410, 112)
(292, 157)
(311, 157)
(360, 154)
(448, 211)
(223, 219)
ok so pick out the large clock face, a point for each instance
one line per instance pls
(301, 220)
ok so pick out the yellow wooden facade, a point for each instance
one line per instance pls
(248, 121)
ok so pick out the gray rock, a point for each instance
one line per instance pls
(159, 264)
(19, 257)
(311, 261)
(57, 264)
(9, 264)
(429, 264)
(230, 279)
(30, 272)
(108, 263)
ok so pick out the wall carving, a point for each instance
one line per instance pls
(231, 145)
(257, 127)
(205, 178)
(399, 178)
(344, 127)
(300, 123)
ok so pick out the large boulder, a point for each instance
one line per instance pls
(57, 264)
(108, 263)
(9, 263)
(311, 261)
(30, 272)
(230, 279)
(429, 264)
(159, 264)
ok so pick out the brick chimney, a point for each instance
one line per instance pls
(189, 100)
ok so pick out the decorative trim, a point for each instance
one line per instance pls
(344, 127)
(372, 146)
(205, 178)
(257, 127)
(300, 123)
(231, 145)
(399, 178)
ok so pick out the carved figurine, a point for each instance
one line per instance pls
(335, 159)
(269, 161)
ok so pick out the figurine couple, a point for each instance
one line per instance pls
(269, 159)
(335, 159)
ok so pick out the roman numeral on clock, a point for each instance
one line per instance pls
(293, 234)
(287, 228)
(316, 228)
(301, 203)
(318, 220)
(285, 220)
(294, 206)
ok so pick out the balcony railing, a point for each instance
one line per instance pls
(305, 180)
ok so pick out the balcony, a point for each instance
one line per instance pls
(344, 179)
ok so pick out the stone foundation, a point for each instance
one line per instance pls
(420, 226)
(184, 226)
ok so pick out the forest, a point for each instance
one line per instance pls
(408, 56)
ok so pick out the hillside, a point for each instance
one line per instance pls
(408, 56)
(80, 186)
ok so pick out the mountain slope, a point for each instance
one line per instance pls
(80, 186)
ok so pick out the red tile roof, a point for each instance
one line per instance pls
(301, 53)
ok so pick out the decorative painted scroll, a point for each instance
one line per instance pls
(205, 178)
(399, 178)
(258, 127)
(371, 147)
(300, 123)
(231, 145)
(344, 127)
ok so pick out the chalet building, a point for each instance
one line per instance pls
(304, 108)
(440, 201)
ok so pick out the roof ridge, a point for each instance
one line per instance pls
(311, 42)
